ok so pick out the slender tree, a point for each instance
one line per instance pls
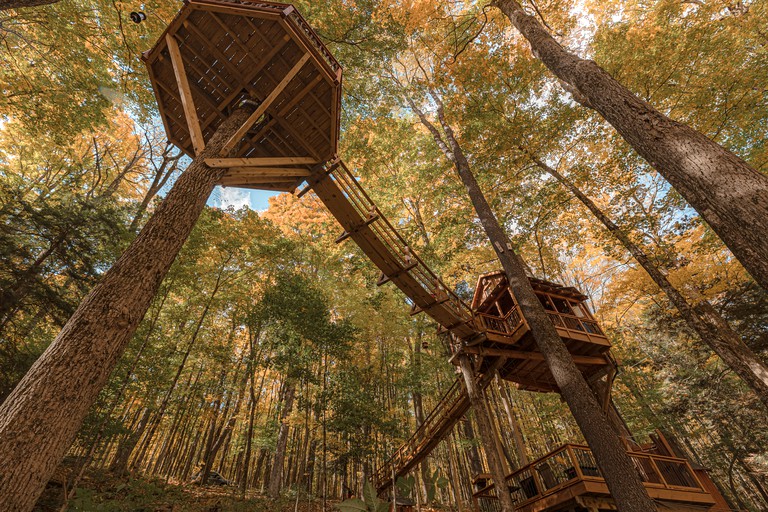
(700, 316)
(730, 196)
(619, 471)
(40, 418)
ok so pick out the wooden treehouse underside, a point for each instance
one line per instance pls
(217, 54)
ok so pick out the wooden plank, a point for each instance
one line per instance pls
(267, 171)
(259, 162)
(186, 95)
(532, 356)
(262, 108)
(234, 180)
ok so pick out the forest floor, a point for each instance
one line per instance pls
(99, 492)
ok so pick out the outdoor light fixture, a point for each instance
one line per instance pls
(138, 17)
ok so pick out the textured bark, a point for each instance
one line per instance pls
(619, 471)
(487, 435)
(700, 317)
(276, 475)
(41, 416)
(20, 4)
(729, 195)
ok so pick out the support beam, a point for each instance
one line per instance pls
(531, 356)
(384, 279)
(347, 234)
(193, 123)
(267, 171)
(233, 181)
(219, 163)
(262, 108)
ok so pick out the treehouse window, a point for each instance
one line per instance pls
(544, 299)
(562, 305)
(578, 310)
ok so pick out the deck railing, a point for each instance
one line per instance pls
(447, 411)
(506, 325)
(573, 463)
(575, 323)
(510, 322)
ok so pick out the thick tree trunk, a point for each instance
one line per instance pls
(702, 318)
(276, 475)
(729, 195)
(487, 435)
(19, 4)
(616, 466)
(41, 416)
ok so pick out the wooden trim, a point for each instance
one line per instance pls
(531, 356)
(234, 180)
(262, 108)
(195, 133)
(219, 163)
(267, 171)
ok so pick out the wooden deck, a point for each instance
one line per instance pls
(569, 476)
(217, 54)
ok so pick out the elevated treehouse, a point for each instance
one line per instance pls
(218, 54)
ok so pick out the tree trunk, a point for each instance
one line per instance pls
(729, 195)
(620, 474)
(41, 416)
(19, 4)
(487, 434)
(702, 318)
(276, 475)
(517, 434)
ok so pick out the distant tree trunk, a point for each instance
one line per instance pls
(701, 317)
(276, 475)
(126, 445)
(517, 434)
(418, 411)
(41, 417)
(729, 195)
(475, 466)
(487, 434)
(620, 474)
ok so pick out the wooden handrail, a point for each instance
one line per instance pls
(571, 448)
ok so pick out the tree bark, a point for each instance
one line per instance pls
(620, 474)
(730, 196)
(701, 317)
(20, 4)
(517, 434)
(276, 475)
(41, 416)
(487, 434)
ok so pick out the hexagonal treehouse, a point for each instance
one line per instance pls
(215, 55)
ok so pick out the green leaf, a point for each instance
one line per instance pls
(370, 497)
(352, 505)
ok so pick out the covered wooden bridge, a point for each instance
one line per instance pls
(218, 54)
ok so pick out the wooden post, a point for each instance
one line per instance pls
(487, 434)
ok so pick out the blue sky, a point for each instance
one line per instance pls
(223, 197)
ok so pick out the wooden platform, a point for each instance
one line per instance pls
(569, 477)
(216, 54)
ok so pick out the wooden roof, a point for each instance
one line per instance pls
(216, 54)
(498, 278)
